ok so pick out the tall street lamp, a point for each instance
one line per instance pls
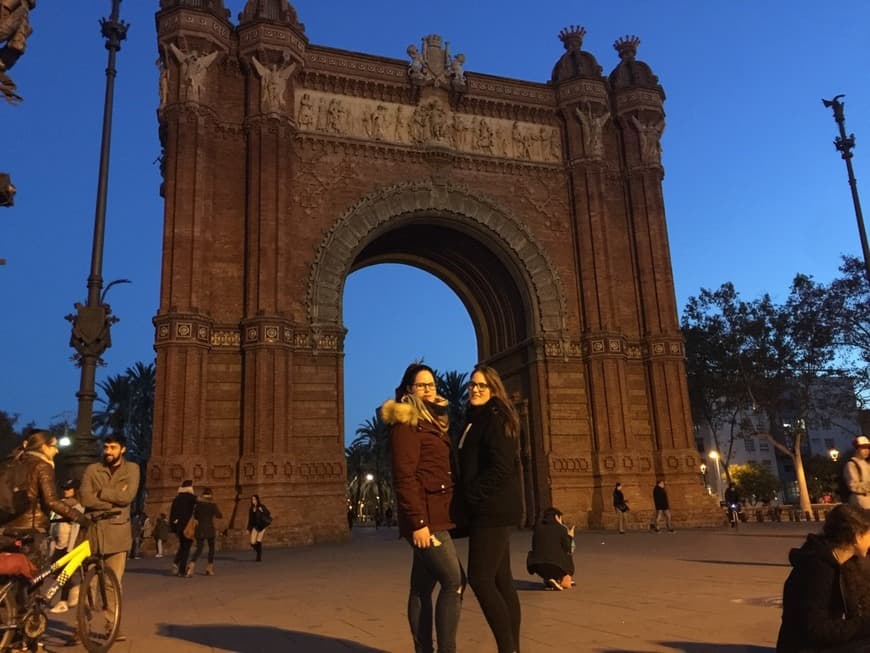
(714, 456)
(844, 145)
(92, 322)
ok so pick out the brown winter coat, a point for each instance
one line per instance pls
(41, 496)
(422, 473)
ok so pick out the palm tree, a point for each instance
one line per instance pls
(373, 437)
(129, 410)
(453, 387)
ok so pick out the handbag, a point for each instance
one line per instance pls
(265, 518)
(189, 531)
(622, 507)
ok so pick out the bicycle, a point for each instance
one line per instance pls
(23, 604)
(734, 515)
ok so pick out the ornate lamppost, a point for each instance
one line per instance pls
(844, 145)
(92, 322)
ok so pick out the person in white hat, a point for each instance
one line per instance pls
(857, 473)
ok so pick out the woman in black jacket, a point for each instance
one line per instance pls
(259, 519)
(550, 557)
(490, 477)
(813, 606)
(205, 512)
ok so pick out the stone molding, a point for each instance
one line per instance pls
(616, 346)
(351, 232)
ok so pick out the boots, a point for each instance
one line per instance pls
(209, 569)
(191, 566)
(258, 547)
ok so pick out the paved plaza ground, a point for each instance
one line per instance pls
(698, 591)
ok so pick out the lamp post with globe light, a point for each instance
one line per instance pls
(714, 456)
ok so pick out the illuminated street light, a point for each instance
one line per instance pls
(835, 455)
(714, 455)
(370, 477)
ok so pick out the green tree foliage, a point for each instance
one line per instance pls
(9, 437)
(128, 408)
(453, 387)
(764, 359)
(823, 476)
(754, 482)
(850, 302)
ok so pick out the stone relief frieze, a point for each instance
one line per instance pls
(430, 123)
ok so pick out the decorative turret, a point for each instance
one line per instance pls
(575, 62)
(215, 7)
(630, 72)
(275, 11)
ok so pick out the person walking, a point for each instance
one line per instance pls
(490, 475)
(205, 512)
(620, 505)
(180, 513)
(161, 533)
(662, 506)
(815, 618)
(259, 519)
(550, 557)
(423, 481)
(64, 535)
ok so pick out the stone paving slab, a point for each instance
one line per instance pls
(696, 591)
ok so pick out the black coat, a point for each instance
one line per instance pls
(181, 511)
(618, 498)
(259, 518)
(551, 545)
(205, 512)
(489, 469)
(660, 498)
(813, 605)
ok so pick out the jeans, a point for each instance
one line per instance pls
(198, 550)
(183, 552)
(489, 574)
(436, 564)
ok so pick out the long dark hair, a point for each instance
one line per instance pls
(408, 377)
(36, 439)
(500, 399)
(434, 412)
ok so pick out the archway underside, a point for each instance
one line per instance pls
(488, 286)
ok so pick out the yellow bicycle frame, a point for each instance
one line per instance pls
(70, 563)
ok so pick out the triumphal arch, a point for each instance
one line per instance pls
(287, 165)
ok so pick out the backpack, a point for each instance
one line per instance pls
(842, 488)
(13, 488)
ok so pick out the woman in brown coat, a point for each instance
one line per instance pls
(423, 481)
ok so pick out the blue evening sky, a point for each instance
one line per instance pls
(754, 190)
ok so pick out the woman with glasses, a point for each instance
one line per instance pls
(423, 482)
(490, 475)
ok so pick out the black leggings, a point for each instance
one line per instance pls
(489, 574)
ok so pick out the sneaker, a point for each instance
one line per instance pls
(60, 606)
(556, 585)
(159, 555)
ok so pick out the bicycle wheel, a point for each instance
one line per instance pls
(7, 619)
(99, 610)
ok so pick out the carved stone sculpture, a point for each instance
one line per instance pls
(593, 130)
(194, 67)
(649, 134)
(163, 87)
(305, 119)
(433, 65)
(14, 30)
(273, 84)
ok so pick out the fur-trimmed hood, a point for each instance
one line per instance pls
(395, 412)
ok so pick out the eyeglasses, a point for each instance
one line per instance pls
(424, 386)
(483, 387)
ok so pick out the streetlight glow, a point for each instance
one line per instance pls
(835, 455)
(370, 477)
(714, 455)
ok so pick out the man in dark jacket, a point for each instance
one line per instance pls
(662, 506)
(205, 512)
(179, 514)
